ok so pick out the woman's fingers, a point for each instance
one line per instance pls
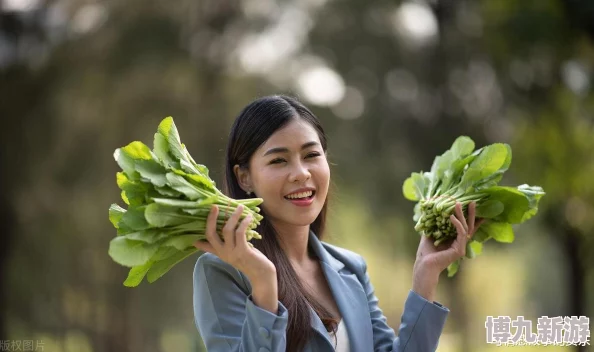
(240, 233)
(204, 246)
(471, 214)
(460, 242)
(460, 216)
(230, 225)
(211, 228)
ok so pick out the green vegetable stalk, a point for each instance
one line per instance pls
(169, 197)
(464, 175)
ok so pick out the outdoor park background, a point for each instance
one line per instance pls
(394, 83)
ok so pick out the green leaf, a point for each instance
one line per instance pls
(488, 182)
(115, 214)
(198, 180)
(473, 248)
(414, 187)
(127, 157)
(126, 163)
(124, 229)
(133, 191)
(168, 130)
(477, 247)
(161, 150)
(489, 209)
(203, 169)
(152, 171)
(134, 219)
(180, 184)
(480, 235)
(158, 215)
(448, 167)
(533, 194)
(188, 167)
(125, 183)
(161, 267)
(136, 274)
(164, 253)
(183, 242)
(462, 147)
(499, 231)
(442, 164)
(168, 191)
(131, 253)
(137, 151)
(134, 199)
(453, 268)
(203, 181)
(490, 159)
(148, 235)
(515, 203)
(452, 175)
(125, 197)
(494, 179)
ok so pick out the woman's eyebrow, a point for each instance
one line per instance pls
(284, 149)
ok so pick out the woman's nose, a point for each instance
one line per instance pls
(300, 173)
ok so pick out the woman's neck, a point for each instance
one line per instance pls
(294, 241)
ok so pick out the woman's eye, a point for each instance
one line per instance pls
(281, 160)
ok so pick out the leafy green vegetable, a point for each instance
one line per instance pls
(464, 175)
(169, 197)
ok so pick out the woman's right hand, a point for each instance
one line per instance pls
(235, 249)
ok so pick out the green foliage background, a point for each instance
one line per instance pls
(79, 79)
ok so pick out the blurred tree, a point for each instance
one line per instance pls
(555, 130)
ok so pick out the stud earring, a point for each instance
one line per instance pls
(249, 192)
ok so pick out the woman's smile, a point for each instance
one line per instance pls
(302, 197)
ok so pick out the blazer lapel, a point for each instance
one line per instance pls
(318, 327)
(349, 296)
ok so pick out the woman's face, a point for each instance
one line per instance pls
(291, 173)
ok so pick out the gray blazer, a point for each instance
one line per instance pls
(228, 320)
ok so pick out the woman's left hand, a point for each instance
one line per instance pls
(431, 260)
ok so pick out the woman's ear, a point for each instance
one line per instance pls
(243, 178)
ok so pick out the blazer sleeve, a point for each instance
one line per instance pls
(226, 316)
(421, 323)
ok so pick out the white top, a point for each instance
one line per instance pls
(342, 338)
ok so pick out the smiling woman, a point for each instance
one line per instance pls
(292, 291)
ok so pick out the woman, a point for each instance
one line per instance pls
(290, 291)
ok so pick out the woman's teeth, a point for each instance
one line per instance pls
(300, 195)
